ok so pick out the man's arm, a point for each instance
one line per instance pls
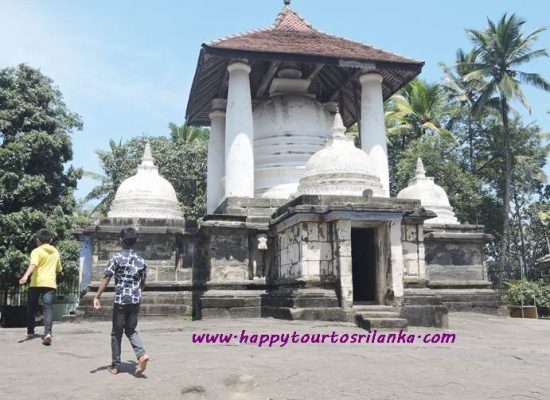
(25, 277)
(100, 290)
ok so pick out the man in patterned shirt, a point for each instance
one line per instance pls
(130, 271)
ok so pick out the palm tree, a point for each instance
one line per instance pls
(113, 162)
(502, 48)
(463, 93)
(188, 134)
(418, 108)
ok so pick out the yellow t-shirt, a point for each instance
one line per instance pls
(48, 263)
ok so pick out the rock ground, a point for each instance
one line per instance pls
(492, 358)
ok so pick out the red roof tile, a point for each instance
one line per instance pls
(291, 34)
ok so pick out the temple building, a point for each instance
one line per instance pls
(300, 223)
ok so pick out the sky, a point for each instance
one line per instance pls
(126, 66)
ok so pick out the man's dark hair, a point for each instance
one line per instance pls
(44, 236)
(128, 237)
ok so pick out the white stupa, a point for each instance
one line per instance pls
(431, 196)
(146, 195)
(340, 168)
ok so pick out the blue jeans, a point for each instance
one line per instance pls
(48, 297)
(125, 319)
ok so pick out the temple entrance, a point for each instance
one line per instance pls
(363, 253)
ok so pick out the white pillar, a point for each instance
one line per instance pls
(373, 128)
(216, 156)
(239, 139)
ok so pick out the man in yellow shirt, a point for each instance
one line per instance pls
(44, 265)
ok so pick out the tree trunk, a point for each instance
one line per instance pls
(472, 164)
(504, 266)
(521, 236)
(470, 142)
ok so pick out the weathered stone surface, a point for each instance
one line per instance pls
(166, 274)
(229, 302)
(370, 324)
(455, 272)
(237, 312)
(426, 315)
(453, 254)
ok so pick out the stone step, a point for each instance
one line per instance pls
(301, 302)
(230, 302)
(456, 284)
(235, 312)
(381, 323)
(307, 314)
(378, 314)
(176, 298)
(373, 307)
(146, 310)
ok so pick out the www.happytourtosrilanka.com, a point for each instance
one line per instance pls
(282, 339)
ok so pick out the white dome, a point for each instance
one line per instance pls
(340, 168)
(431, 196)
(146, 194)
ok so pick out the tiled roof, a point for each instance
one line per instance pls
(291, 34)
(333, 64)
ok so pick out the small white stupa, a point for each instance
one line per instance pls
(340, 168)
(146, 195)
(431, 196)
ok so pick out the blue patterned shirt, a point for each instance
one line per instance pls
(129, 271)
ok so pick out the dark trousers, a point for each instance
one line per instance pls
(125, 319)
(48, 297)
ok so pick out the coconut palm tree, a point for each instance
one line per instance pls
(417, 109)
(463, 93)
(113, 161)
(188, 134)
(503, 48)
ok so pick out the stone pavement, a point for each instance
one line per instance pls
(492, 358)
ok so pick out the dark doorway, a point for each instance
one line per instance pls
(363, 254)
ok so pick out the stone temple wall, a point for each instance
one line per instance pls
(305, 251)
(412, 240)
(169, 257)
(228, 253)
(455, 253)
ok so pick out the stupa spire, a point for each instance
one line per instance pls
(338, 129)
(420, 171)
(147, 161)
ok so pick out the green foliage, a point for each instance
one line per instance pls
(526, 292)
(503, 48)
(181, 163)
(442, 161)
(188, 134)
(36, 189)
(419, 108)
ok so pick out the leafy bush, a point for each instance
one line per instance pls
(529, 292)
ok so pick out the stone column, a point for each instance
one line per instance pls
(373, 128)
(396, 257)
(239, 139)
(216, 156)
(86, 262)
(342, 241)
